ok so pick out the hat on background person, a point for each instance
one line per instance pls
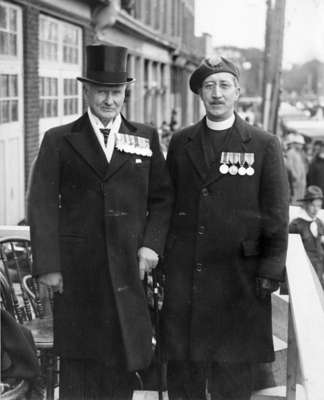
(294, 138)
(312, 193)
(209, 66)
(106, 66)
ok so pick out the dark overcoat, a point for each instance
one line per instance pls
(88, 218)
(226, 230)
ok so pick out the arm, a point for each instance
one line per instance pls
(274, 212)
(160, 198)
(44, 208)
(294, 226)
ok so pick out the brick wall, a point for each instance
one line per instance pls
(31, 96)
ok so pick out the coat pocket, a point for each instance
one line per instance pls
(251, 248)
(72, 237)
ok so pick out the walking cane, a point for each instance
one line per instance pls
(157, 332)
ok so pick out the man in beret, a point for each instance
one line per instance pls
(226, 246)
(100, 202)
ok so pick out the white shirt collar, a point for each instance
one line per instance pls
(303, 215)
(220, 125)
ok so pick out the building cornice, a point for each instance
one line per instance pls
(128, 24)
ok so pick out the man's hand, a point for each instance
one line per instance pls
(265, 286)
(54, 280)
(147, 260)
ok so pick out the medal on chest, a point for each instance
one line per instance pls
(236, 164)
(133, 144)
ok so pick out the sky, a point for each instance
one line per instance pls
(241, 23)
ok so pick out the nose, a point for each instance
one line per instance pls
(217, 92)
(109, 98)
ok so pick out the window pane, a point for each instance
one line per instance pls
(53, 31)
(41, 28)
(54, 108)
(4, 105)
(66, 101)
(13, 20)
(4, 85)
(12, 45)
(13, 88)
(3, 43)
(75, 106)
(3, 17)
(14, 110)
(42, 108)
(54, 85)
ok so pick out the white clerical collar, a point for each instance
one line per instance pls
(97, 124)
(220, 125)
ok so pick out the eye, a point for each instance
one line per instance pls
(209, 86)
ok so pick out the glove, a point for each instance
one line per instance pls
(265, 286)
(54, 280)
(147, 260)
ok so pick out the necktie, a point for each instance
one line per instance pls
(105, 133)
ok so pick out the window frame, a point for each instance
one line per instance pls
(61, 70)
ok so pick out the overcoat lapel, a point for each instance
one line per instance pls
(84, 141)
(119, 158)
(195, 151)
(240, 135)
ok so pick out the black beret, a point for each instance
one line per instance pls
(210, 66)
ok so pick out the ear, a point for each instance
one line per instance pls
(238, 91)
(85, 89)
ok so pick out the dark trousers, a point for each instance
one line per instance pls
(92, 380)
(190, 381)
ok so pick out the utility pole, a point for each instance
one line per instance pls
(275, 22)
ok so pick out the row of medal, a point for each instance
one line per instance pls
(237, 163)
(133, 144)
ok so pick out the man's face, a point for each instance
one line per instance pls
(219, 92)
(105, 102)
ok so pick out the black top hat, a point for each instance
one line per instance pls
(209, 66)
(312, 193)
(106, 65)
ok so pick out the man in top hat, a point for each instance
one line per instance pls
(100, 202)
(226, 246)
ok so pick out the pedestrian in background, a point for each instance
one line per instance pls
(315, 174)
(296, 166)
(311, 228)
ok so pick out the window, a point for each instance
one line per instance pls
(8, 98)
(48, 39)
(71, 96)
(48, 91)
(60, 62)
(59, 41)
(71, 43)
(8, 30)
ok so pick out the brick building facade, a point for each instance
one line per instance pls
(42, 50)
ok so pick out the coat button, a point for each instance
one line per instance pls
(201, 230)
(204, 192)
(198, 267)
